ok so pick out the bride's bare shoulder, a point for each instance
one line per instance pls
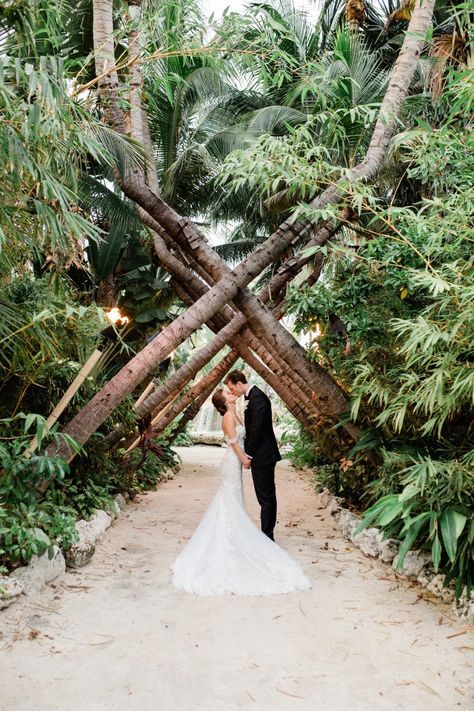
(228, 421)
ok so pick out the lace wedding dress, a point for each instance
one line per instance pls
(228, 553)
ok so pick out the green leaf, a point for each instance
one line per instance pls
(413, 527)
(29, 420)
(452, 524)
(39, 432)
(385, 503)
(436, 552)
(409, 492)
(390, 513)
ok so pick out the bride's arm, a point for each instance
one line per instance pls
(228, 427)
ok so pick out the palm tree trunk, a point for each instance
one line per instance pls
(104, 54)
(138, 133)
(198, 289)
(354, 12)
(286, 383)
(209, 381)
(178, 380)
(91, 417)
(135, 75)
(131, 375)
(331, 398)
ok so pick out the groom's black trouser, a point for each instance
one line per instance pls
(264, 483)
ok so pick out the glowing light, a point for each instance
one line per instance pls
(115, 316)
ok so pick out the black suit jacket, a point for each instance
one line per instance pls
(260, 440)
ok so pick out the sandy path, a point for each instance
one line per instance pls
(116, 635)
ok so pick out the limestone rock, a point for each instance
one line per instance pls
(99, 522)
(325, 497)
(120, 501)
(89, 532)
(348, 522)
(464, 607)
(80, 553)
(10, 589)
(389, 549)
(114, 510)
(369, 541)
(434, 583)
(216, 437)
(413, 564)
(335, 506)
(40, 570)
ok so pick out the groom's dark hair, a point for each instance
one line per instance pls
(234, 377)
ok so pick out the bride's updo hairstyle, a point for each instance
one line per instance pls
(218, 400)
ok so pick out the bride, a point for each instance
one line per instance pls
(228, 554)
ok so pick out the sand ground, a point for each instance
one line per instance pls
(116, 635)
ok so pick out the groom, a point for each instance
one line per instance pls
(260, 446)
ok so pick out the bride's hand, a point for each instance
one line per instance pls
(246, 463)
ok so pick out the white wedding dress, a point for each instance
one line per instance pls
(228, 554)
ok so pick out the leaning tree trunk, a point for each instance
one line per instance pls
(291, 351)
(196, 288)
(140, 366)
(208, 381)
(399, 83)
(139, 131)
(91, 417)
(289, 386)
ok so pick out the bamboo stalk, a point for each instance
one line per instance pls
(67, 397)
(144, 394)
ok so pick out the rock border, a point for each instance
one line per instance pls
(416, 566)
(41, 570)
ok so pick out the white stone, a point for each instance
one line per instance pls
(120, 501)
(389, 549)
(434, 583)
(99, 522)
(464, 607)
(40, 570)
(325, 497)
(80, 553)
(115, 510)
(369, 541)
(348, 522)
(334, 506)
(413, 564)
(89, 533)
(10, 589)
(207, 437)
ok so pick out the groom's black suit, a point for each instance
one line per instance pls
(261, 446)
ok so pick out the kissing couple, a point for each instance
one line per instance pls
(227, 553)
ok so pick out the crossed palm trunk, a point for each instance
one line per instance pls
(227, 285)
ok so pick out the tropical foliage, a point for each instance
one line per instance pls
(400, 285)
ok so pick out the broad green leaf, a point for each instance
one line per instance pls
(436, 552)
(390, 513)
(414, 528)
(452, 524)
